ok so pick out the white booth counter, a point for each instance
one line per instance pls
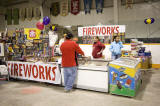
(92, 75)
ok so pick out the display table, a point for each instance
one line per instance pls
(92, 77)
(124, 76)
(38, 71)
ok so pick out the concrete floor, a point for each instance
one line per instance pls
(24, 93)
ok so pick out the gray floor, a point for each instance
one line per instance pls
(22, 93)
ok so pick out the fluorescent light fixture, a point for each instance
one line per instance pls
(68, 26)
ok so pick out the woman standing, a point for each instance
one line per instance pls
(98, 48)
(115, 48)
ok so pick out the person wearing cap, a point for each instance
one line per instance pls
(68, 49)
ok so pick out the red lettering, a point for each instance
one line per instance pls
(117, 29)
(48, 73)
(92, 30)
(53, 70)
(41, 72)
(33, 71)
(20, 69)
(16, 69)
(103, 30)
(27, 69)
(83, 31)
(11, 69)
(112, 29)
(98, 30)
(89, 31)
(108, 31)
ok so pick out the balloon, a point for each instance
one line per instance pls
(53, 28)
(41, 20)
(40, 25)
(145, 21)
(46, 20)
(148, 21)
(152, 20)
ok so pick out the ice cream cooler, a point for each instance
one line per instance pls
(124, 76)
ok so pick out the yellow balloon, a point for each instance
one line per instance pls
(148, 21)
(53, 27)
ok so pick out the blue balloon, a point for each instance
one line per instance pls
(152, 20)
(145, 21)
(46, 20)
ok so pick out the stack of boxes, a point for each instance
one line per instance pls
(138, 51)
(135, 47)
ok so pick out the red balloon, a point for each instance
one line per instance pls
(40, 25)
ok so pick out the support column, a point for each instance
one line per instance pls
(116, 7)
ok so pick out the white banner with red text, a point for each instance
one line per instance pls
(101, 30)
(42, 72)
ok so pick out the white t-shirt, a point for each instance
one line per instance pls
(53, 37)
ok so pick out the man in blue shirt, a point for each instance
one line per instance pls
(115, 48)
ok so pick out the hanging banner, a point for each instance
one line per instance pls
(32, 33)
(15, 16)
(29, 13)
(37, 13)
(99, 6)
(22, 12)
(55, 9)
(9, 16)
(35, 71)
(103, 30)
(64, 8)
(75, 7)
(87, 6)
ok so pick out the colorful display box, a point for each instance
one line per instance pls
(124, 76)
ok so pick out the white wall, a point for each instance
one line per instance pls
(132, 18)
(153, 48)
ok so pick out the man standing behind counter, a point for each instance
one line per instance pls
(68, 49)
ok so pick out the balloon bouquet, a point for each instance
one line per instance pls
(149, 21)
(53, 37)
(42, 22)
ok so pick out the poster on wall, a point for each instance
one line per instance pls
(35, 71)
(101, 30)
(75, 7)
(32, 33)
